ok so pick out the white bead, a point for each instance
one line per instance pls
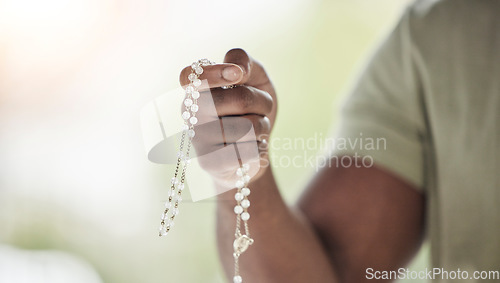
(237, 279)
(186, 115)
(238, 196)
(245, 191)
(181, 186)
(197, 82)
(179, 199)
(168, 205)
(171, 193)
(246, 178)
(189, 89)
(239, 184)
(195, 65)
(180, 154)
(164, 216)
(238, 209)
(185, 127)
(191, 133)
(194, 108)
(193, 120)
(170, 223)
(239, 172)
(246, 167)
(175, 211)
(163, 230)
(192, 76)
(195, 94)
(245, 203)
(245, 216)
(174, 181)
(187, 160)
(188, 102)
(198, 70)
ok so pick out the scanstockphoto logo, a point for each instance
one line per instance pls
(432, 274)
(319, 151)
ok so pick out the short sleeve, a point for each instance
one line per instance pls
(381, 118)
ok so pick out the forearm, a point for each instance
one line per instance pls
(285, 249)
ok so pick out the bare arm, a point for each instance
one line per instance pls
(349, 219)
(366, 218)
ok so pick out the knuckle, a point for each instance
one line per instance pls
(265, 125)
(260, 124)
(245, 99)
(269, 102)
(229, 125)
(258, 128)
(218, 98)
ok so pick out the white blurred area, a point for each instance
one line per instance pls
(74, 75)
(20, 266)
(73, 78)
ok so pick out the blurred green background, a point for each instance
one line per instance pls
(73, 76)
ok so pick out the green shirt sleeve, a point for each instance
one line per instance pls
(382, 117)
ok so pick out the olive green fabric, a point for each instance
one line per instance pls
(432, 91)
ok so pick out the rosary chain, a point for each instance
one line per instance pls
(242, 240)
(183, 156)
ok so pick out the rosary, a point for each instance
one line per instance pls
(242, 235)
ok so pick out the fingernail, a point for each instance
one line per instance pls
(231, 73)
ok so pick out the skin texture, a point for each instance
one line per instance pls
(347, 220)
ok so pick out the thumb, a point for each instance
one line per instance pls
(253, 73)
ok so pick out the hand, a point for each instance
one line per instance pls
(227, 117)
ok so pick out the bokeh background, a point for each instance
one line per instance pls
(74, 176)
